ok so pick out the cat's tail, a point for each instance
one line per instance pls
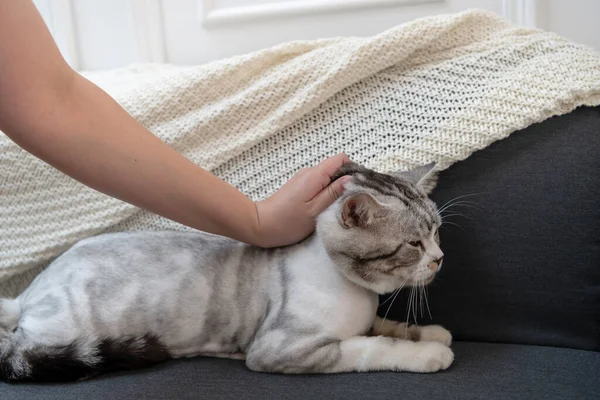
(23, 360)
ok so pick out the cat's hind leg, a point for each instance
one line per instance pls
(402, 330)
(31, 348)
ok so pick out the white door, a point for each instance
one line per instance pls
(100, 34)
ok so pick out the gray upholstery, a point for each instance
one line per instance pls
(525, 269)
(481, 371)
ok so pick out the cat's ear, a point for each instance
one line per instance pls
(424, 177)
(360, 210)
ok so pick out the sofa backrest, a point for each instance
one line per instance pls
(524, 265)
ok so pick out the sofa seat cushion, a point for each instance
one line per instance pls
(480, 371)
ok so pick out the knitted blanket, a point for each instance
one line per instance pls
(436, 89)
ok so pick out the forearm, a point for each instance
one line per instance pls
(91, 138)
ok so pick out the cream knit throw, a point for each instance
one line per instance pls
(437, 88)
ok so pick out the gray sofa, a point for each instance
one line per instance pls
(520, 291)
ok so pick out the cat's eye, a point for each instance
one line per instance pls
(415, 243)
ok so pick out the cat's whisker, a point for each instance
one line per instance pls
(451, 215)
(454, 209)
(454, 206)
(416, 300)
(389, 297)
(393, 296)
(418, 297)
(414, 308)
(413, 303)
(447, 207)
(445, 217)
(389, 308)
(396, 291)
(420, 292)
(427, 302)
(408, 307)
(422, 302)
(467, 204)
(452, 201)
(452, 223)
(410, 300)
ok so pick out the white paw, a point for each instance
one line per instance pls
(432, 357)
(436, 333)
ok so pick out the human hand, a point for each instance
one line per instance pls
(288, 216)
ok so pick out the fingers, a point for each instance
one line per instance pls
(328, 195)
(320, 174)
(312, 181)
(330, 165)
(336, 188)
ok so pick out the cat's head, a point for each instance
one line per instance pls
(383, 231)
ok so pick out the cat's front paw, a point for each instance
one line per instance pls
(432, 357)
(436, 333)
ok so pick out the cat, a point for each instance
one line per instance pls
(128, 300)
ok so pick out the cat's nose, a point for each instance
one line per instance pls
(435, 265)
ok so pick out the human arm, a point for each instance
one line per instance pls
(59, 116)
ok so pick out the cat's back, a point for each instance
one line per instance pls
(151, 240)
(138, 256)
(153, 248)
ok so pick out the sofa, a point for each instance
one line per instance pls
(519, 289)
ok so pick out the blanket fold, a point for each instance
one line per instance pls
(435, 89)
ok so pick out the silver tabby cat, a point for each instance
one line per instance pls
(128, 300)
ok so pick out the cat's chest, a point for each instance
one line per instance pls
(318, 294)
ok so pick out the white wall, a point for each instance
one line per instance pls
(578, 20)
(100, 34)
(225, 34)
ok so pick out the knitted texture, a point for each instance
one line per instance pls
(436, 89)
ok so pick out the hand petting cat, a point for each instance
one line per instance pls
(288, 216)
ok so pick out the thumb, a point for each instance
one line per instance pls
(329, 194)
